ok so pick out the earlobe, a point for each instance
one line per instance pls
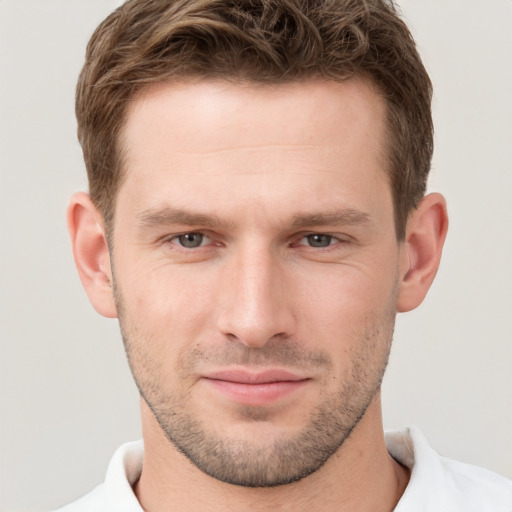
(90, 250)
(426, 232)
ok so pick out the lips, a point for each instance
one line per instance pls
(255, 388)
(262, 377)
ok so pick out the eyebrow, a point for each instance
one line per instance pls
(170, 216)
(346, 217)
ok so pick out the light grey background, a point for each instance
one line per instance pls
(66, 396)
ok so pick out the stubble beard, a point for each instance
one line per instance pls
(283, 460)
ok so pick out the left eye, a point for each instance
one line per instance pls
(319, 240)
(191, 240)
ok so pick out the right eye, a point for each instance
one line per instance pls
(190, 240)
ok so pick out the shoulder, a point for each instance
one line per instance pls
(438, 483)
(116, 493)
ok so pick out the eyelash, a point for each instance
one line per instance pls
(175, 239)
(332, 240)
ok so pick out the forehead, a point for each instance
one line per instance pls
(264, 143)
(296, 112)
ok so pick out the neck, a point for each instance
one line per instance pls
(361, 476)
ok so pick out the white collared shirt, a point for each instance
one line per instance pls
(437, 484)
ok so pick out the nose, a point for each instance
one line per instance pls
(255, 301)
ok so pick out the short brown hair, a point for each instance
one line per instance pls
(260, 41)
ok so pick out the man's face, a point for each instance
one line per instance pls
(255, 265)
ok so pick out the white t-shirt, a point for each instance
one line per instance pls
(437, 484)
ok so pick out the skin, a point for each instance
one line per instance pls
(291, 264)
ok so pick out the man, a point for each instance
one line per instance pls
(256, 219)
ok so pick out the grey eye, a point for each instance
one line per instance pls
(191, 240)
(319, 240)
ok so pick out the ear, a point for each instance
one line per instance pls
(91, 253)
(424, 240)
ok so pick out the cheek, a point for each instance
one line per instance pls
(343, 305)
(165, 310)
